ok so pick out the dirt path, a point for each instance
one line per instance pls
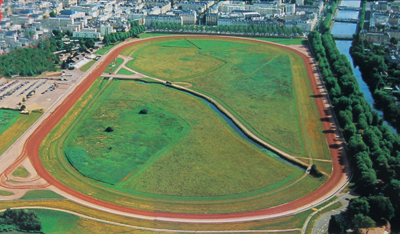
(30, 144)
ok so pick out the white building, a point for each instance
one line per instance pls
(163, 19)
(88, 33)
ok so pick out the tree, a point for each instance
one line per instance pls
(64, 65)
(349, 131)
(22, 219)
(109, 129)
(358, 206)
(314, 171)
(336, 225)
(394, 41)
(52, 14)
(381, 207)
(360, 221)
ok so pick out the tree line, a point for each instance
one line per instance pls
(377, 74)
(329, 12)
(373, 150)
(252, 29)
(362, 15)
(135, 30)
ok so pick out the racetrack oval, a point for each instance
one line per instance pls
(335, 182)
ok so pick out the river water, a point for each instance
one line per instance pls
(344, 48)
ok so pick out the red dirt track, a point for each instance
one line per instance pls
(336, 180)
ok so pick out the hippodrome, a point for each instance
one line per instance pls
(40, 129)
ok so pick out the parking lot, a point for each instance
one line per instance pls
(35, 94)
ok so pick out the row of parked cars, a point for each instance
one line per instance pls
(11, 92)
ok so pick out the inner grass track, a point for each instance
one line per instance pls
(265, 86)
(51, 147)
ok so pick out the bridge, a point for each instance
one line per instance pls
(345, 20)
(343, 37)
(350, 8)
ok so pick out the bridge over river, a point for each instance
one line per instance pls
(343, 37)
(349, 8)
(345, 20)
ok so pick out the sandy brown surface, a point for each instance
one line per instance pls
(35, 135)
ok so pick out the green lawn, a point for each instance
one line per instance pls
(41, 194)
(12, 126)
(256, 74)
(7, 118)
(143, 156)
(87, 65)
(147, 35)
(104, 49)
(5, 193)
(284, 41)
(21, 172)
(113, 66)
(123, 71)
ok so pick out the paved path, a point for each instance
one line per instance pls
(31, 140)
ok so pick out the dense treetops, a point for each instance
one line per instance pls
(371, 61)
(27, 62)
(19, 220)
(374, 151)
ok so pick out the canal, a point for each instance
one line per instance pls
(340, 28)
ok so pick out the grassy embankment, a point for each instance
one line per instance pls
(61, 222)
(170, 179)
(87, 65)
(104, 49)
(256, 75)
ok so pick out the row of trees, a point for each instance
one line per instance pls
(372, 148)
(362, 15)
(371, 61)
(135, 30)
(326, 24)
(28, 61)
(252, 29)
(19, 220)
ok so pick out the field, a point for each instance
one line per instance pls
(181, 156)
(114, 65)
(12, 126)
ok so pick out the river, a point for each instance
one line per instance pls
(344, 48)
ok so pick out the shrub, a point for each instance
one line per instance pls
(109, 129)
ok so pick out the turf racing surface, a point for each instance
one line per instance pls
(336, 180)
